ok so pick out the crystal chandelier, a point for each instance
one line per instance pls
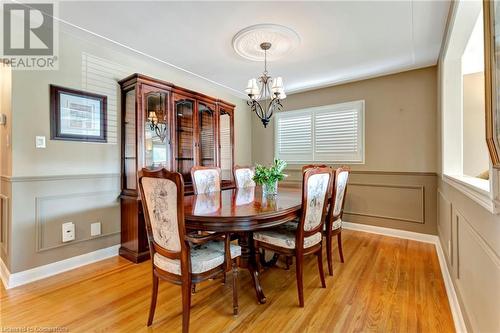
(158, 125)
(265, 96)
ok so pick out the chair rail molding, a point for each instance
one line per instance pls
(18, 179)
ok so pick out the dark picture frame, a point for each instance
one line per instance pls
(84, 119)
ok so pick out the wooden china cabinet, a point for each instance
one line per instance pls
(191, 129)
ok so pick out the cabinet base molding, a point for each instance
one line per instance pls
(135, 257)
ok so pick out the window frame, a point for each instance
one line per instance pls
(484, 192)
(359, 105)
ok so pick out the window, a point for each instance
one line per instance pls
(331, 133)
(465, 159)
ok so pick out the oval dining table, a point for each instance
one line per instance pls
(242, 211)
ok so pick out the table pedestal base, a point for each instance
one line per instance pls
(248, 261)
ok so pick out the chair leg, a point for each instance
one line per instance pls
(339, 241)
(193, 288)
(320, 267)
(288, 262)
(235, 288)
(300, 284)
(186, 304)
(154, 296)
(329, 253)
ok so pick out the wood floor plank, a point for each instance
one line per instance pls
(385, 285)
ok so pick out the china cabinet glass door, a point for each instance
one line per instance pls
(184, 132)
(156, 130)
(129, 144)
(206, 125)
(226, 143)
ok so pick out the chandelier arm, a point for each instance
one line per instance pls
(274, 104)
(259, 111)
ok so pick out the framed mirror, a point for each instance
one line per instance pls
(491, 12)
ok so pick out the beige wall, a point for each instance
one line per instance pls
(79, 182)
(5, 162)
(400, 114)
(396, 187)
(475, 150)
(65, 157)
(5, 130)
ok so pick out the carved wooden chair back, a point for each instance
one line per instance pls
(310, 166)
(339, 192)
(243, 176)
(315, 187)
(206, 179)
(162, 195)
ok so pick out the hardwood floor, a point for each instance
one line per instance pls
(385, 285)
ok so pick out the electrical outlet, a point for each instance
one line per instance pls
(68, 232)
(95, 229)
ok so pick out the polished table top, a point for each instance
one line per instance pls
(243, 209)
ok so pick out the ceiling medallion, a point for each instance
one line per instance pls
(247, 42)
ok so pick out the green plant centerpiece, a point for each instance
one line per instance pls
(269, 177)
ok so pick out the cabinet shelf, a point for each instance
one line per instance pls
(187, 130)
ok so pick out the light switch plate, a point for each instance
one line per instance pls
(95, 229)
(68, 232)
(40, 142)
(3, 119)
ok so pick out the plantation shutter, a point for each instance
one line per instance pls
(332, 133)
(294, 137)
(338, 134)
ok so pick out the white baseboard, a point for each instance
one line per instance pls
(456, 312)
(450, 291)
(416, 236)
(12, 280)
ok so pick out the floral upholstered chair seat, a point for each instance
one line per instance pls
(203, 258)
(284, 236)
(337, 224)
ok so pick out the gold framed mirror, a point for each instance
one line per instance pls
(491, 13)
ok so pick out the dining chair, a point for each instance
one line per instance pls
(243, 176)
(309, 166)
(176, 256)
(206, 179)
(303, 238)
(333, 224)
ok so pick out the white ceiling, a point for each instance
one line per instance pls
(340, 41)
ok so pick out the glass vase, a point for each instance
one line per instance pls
(270, 189)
